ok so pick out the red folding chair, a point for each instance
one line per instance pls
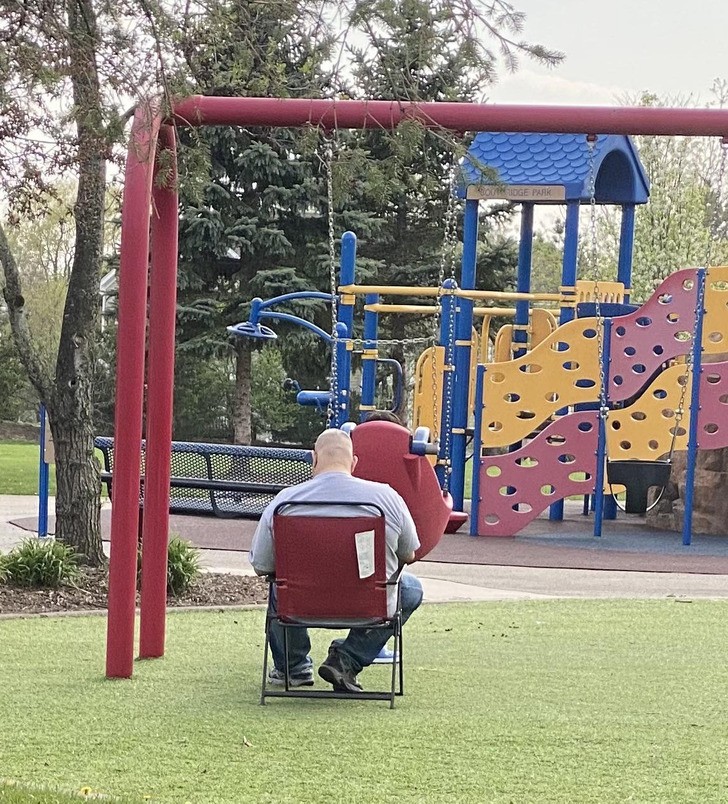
(318, 585)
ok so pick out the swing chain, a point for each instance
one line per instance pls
(332, 409)
(591, 142)
(448, 255)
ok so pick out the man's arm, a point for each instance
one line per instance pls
(408, 541)
(262, 555)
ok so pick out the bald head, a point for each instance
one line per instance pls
(333, 452)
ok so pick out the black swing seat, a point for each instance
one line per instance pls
(638, 477)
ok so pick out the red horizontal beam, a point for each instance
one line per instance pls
(293, 112)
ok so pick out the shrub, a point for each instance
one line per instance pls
(183, 566)
(3, 571)
(40, 563)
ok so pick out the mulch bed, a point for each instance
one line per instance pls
(91, 589)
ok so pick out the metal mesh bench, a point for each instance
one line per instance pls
(227, 480)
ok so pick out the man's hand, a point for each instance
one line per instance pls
(408, 559)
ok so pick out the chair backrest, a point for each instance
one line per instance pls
(383, 452)
(317, 565)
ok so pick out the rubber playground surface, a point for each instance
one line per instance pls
(625, 544)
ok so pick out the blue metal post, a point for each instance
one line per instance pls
(694, 411)
(345, 328)
(626, 245)
(568, 280)
(462, 351)
(369, 358)
(43, 478)
(571, 253)
(602, 435)
(523, 282)
(477, 450)
(448, 304)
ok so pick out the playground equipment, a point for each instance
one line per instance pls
(152, 149)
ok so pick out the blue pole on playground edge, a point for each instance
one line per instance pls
(461, 355)
(43, 478)
(444, 464)
(369, 357)
(694, 412)
(626, 247)
(477, 449)
(602, 437)
(345, 326)
(523, 281)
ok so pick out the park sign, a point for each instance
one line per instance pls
(542, 193)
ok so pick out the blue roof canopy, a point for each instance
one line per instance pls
(546, 163)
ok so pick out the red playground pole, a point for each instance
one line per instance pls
(133, 271)
(197, 111)
(160, 392)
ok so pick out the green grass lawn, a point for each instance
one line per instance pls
(19, 469)
(548, 701)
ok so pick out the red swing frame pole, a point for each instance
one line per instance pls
(132, 304)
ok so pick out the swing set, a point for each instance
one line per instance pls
(145, 344)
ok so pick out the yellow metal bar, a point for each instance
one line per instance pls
(367, 407)
(507, 295)
(422, 309)
(369, 354)
(389, 290)
(494, 311)
(463, 343)
(347, 298)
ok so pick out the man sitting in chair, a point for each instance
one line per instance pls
(333, 464)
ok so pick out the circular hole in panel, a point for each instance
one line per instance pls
(585, 427)
(665, 298)
(585, 383)
(579, 477)
(711, 428)
(526, 414)
(565, 457)
(590, 333)
(683, 336)
(638, 368)
(659, 393)
(682, 379)
(672, 318)
(507, 491)
(723, 399)
(630, 351)
(552, 397)
(713, 379)
(560, 346)
(680, 431)
(643, 321)
(527, 463)
(571, 365)
(652, 444)
(494, 427)
(555, 440)
(688, 284)
(720, 285)
(620, 331)
(497, 376)
(715, 337)
(616, 424)
(493, 471)
(625, 445)
(618, 379)
(511, 397)
(530, 368)
(638, 415)
(492, 519)
(658, 349)
(522, 508)
(547, 491)
(668, 413)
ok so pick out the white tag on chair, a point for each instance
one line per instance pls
(365, 552)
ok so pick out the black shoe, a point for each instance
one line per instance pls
(334, 672)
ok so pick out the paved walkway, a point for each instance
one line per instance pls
(462, 582)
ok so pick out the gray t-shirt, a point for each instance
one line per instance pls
(401, 534)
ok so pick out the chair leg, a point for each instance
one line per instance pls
(401, 664)
(285, 659)
(265, 660)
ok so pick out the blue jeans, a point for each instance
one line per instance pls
(360, 647)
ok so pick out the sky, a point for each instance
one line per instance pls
(621, 47)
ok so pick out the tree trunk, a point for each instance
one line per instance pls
(242, 419)
(77, 480)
